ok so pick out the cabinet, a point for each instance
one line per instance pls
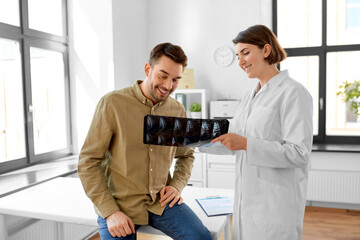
(212, 171)
(188, 96)
(198, 176)
(221, 171)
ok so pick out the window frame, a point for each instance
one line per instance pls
(28, 38)
(321, 52)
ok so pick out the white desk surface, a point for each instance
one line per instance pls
(63, 200)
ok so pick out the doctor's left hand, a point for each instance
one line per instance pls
(169, 193)
(232, 141)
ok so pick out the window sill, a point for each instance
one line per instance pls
(15, 181)
(322, 147)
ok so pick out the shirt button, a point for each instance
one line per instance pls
(151, 149)
(150, 169)
(151, 191)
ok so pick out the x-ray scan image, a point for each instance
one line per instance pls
(182, 132)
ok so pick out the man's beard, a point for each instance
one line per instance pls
(153, 92)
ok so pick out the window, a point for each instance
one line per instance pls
(10, 12)
(352, 15)
(322, 40)
(12, 121)
(34, 83)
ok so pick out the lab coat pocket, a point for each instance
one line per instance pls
(261, 121)
(283, 177)
(275, 207)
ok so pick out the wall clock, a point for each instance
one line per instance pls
(224, 56)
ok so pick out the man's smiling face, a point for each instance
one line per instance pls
(162, 78)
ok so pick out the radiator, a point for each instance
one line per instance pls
(37, 231)
(334, 186)
(49, 230)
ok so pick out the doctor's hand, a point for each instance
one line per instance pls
(232, 141)
(169, 193)
(119, 224)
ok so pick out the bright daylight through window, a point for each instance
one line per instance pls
(12, 132)
(34, 87)
(322, 39)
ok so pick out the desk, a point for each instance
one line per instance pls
(63, 200)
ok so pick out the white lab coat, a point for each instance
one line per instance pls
(271, 176)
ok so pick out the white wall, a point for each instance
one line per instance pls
(131, 37)
(200, 27)
(110, 42)
(91, 60)
(335, 161)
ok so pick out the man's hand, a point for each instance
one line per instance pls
(232, 141)
(119, 224)
(168, 194)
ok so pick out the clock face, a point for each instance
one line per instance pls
(224, 56)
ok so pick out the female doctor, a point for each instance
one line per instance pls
(271, 136)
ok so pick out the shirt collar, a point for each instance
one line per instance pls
(140, 96)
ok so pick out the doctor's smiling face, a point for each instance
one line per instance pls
(252, 59)
(259, 51)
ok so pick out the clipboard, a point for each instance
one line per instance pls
(215, 206)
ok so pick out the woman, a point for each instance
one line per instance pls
(271, 136)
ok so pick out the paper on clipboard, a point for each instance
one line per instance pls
(214, 206)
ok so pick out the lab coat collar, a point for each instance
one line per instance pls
(279, 78)
(275, 81)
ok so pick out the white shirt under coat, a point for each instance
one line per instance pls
(271, 176)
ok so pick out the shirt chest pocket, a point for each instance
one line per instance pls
(260, 122)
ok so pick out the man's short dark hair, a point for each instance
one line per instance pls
(174, 52)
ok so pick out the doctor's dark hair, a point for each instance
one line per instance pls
(260, 35)
(174, 52)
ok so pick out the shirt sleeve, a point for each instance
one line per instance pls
(184, 163)
(295, 147)
(91, 157)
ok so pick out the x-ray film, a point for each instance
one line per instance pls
(182, 132)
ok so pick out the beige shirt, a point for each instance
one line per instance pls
(118, 171)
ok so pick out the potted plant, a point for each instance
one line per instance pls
(351, 95)
(195, 110)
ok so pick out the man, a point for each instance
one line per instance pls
(128, 181)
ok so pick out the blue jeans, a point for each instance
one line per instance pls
(178, 222)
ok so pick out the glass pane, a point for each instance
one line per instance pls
(48, 99)
(12, 124)
(46, 16)
(343, 22)
(306, 71)
(352, 15)
(341, 67)
(299, 23)
(9, 12)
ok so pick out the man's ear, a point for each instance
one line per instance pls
(147, 68)
(267, 50)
